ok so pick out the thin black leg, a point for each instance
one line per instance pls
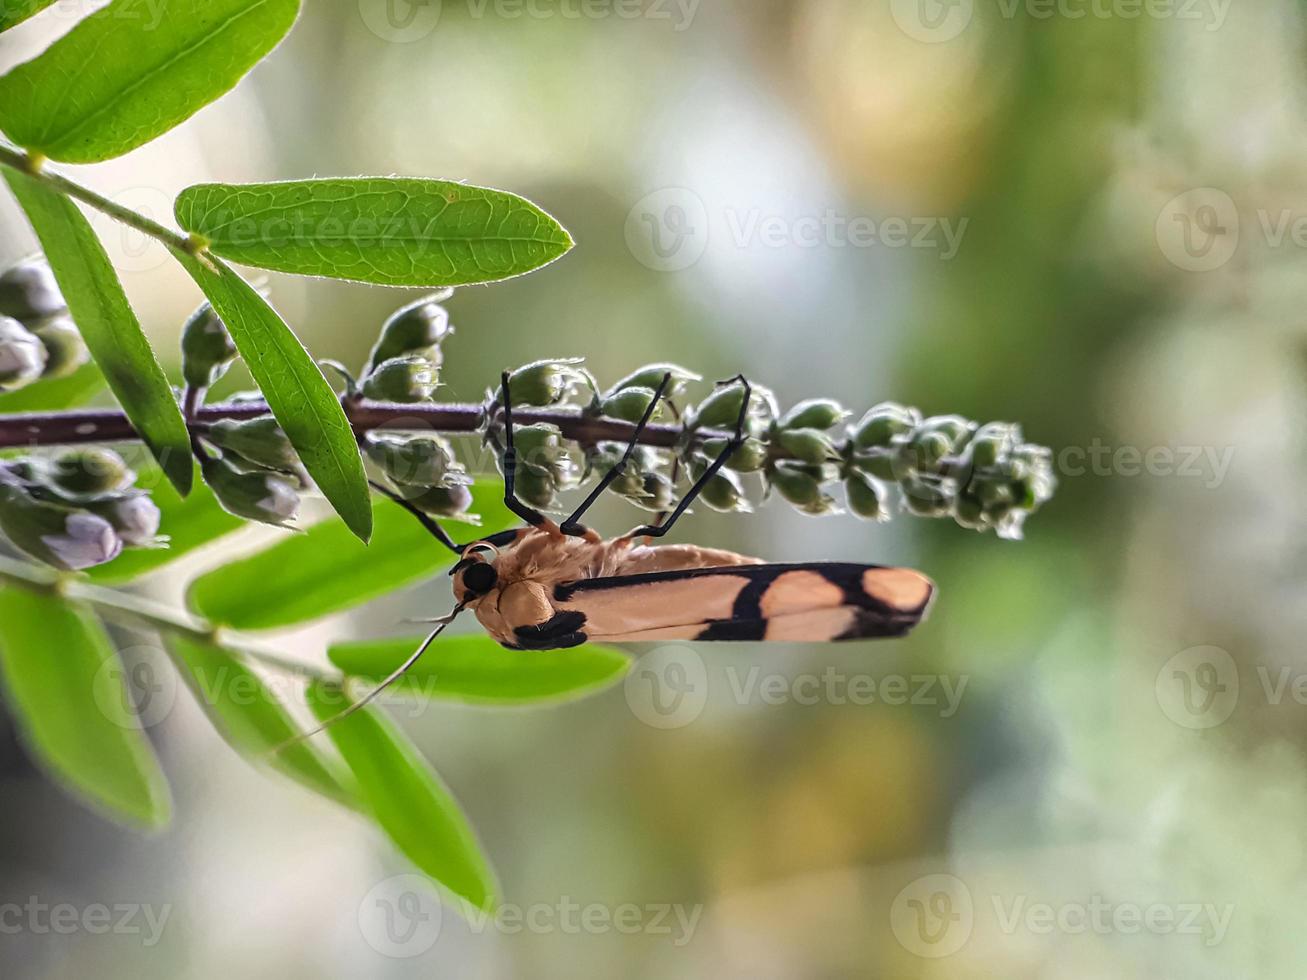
(426, 520)
(509, 464)
(571, 525)
(734, 443)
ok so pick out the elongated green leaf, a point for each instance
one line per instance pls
(250, 717)
(100, 309)
(324, 570)
(64, 684)
(407, 798)
(133, 71)
(16, 11)
(477, 669)
(188, 522)
(48, 396)
(298, 394)
(391, 230)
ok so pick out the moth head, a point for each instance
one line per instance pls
(475, 574)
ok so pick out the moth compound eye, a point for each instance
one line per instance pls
(480, 578)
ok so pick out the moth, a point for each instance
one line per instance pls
(549, 585)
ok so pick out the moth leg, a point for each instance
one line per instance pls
(732, 444)
(572, 525)
(508, 462)
(426, 520)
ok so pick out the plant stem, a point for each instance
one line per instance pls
(34, 429)
(137, 610)
(34, 168)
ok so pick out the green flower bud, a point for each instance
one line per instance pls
(801, 485)
(879, 462)
(749, 458)
(882, 423)
(416, 329)
(401, 379)
(135, 518)
(535, 489)
(88, 472)
(65, 351)
(545, 382)
(928, 448)
(259, 440)
(991, 443)
(651, 376)
(926, 499)
(22, 355)
(954, 428)
(720, 409)
(28, 291)
(261, 496)
(540, 448)
(807, 445)
(207, 348)
(970, 513)
(61, 536)
(650, 491)
(725, 494)
(450, 501)
(993, 492)
(628, 404)
(866, 497)
(422, 461)
(815, 413)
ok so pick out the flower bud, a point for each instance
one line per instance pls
(807, 445)
(970, 513)
(882, 423)
(991, 443)
(866, 497)
(450, 501)
(724, 493)
(401, 379)
(88, 472)
(650, 490)
(721, 409)
(651, 376)
(259, 440)
(880, 462)
(540, 448)
(925, 499)
(927, 448)
(65, 351)
(28, 291)
(416, 329)
(422, 461)
(628, 404)
(801, 485)
(207, 348)
(545, 382)
(954, 428)
(535, 489)
(261, 496)
(815, 413)
(61, 536)
(135, 517)
(22, 355)
(749, 458)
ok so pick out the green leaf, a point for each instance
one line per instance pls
(394, 231)
(64, 685)
(100, 309)
(324, 570)
(251, 718)
(189, 522)
(299, 396)
(133, 71)
(48, 396)
(477, 669)
(16, 11)
(407, 798)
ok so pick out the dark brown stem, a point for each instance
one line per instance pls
(35, 429)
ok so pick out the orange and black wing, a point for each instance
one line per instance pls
(814, 602)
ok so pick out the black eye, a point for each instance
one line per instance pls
(480, 578)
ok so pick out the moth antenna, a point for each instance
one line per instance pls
(426, 520)
(395, 675)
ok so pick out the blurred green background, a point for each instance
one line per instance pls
(1086, 216)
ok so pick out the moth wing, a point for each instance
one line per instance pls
(810, 602)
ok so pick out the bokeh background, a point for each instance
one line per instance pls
(1086, 216)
